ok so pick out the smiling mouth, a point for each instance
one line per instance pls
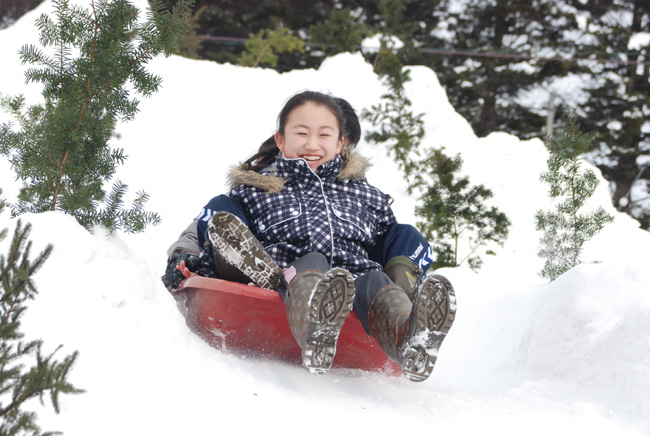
(311, 158)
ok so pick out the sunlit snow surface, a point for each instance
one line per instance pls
(523, 357)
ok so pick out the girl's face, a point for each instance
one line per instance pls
(311, 133)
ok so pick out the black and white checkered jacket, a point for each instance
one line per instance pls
(294, 211)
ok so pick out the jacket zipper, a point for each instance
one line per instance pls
(329, 218)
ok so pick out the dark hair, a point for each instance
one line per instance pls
(340, 108)
(352, 127)
(264, 157)
(319, 98)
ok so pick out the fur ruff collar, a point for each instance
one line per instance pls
(355, 167)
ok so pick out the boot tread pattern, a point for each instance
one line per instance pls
(434, 311)
(237, 245)
(329, 306)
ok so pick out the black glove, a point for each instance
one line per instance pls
(202, 265)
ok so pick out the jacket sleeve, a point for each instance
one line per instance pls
(385, 218)
(220, 203)
(187, 241)
(193, 238)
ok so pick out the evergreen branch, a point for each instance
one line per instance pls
(29, 54)
(572, 184)
(144, 55)
(469, 255)
(14, 105)
(47, 375)
(259, 56)
(177, 14)
(93, 46)
(456, 239)
(57, 187)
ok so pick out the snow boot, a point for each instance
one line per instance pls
(317, 304)
(410, 333)
(237, 251)
(405, 274)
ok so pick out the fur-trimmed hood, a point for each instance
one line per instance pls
(354, 167)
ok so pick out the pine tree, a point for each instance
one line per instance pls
(189, 44)
(566, 229)
(404, 19)
(455, 217)
(617, 99)
(342, 32)
(264, 47)
(395, 124)
(393, 27)
(18, 381)
(485, 68)
(449, 208)
(62, 151)
(225, 25)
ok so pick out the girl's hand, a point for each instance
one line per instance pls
(185, 270)
(186, 265)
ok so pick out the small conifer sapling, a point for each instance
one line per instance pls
(566, 229)
(455, 217)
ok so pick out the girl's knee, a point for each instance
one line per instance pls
(372, 281)
(311, 260)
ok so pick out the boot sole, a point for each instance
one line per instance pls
(237, 246)
(329, 306)
(433, 314)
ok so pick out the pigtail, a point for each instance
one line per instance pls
(264, 157)
(351, 126)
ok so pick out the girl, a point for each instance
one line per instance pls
(317, 218)
(403, 252)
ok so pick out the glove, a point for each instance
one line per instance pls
(201, 264)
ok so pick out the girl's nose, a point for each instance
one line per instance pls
(312, 142)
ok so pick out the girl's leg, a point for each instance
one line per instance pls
(238, 255)
(405, 255)
(317, 302)
(311, 261)
(365, 289)
(403, 240)
(410, 333)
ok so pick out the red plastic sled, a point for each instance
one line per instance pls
(252, 321)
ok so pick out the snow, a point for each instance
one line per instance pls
(523, 357)
(372, 44)
(639, 40)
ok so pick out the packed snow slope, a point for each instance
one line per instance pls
(525, 357)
